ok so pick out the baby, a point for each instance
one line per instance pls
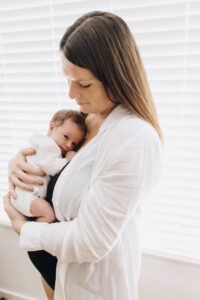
(67, 130)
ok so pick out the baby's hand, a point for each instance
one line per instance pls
(69, 155)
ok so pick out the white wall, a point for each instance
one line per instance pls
(18, 279)
(160, 278)
(165, 279)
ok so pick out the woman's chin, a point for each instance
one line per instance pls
(84, 109)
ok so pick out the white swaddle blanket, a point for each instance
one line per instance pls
(49, 158)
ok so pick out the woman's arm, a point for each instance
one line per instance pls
(106, 208)
(20, 172)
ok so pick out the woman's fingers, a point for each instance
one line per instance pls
(14, 181)
(26, 167)
(27, 151)
(27, 178)
(19, 163)
(24, 181)
(30, 169)
(22, 174)
(12, 189)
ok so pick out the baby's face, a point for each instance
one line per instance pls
(67, 136)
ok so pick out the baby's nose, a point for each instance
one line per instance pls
(69, 145)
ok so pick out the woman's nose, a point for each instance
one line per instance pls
(74, 90)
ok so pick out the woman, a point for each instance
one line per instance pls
(98, 196)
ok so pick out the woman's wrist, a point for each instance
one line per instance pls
(17, 225)
(16, 218)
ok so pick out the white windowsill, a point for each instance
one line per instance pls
(170, 257)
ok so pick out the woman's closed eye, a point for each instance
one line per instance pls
(85, 86)
(82, 85)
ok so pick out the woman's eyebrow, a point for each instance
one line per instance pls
(77, 79)
(81, 80)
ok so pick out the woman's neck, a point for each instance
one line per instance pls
(94, 121)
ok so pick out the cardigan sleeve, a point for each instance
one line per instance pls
(106, 208)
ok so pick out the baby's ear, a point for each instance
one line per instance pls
(51, 126)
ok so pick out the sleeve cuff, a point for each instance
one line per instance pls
(30, 237)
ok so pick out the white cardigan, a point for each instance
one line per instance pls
(98, 250)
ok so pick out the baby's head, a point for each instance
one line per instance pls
(67, 128)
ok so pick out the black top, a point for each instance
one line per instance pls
(44, 262)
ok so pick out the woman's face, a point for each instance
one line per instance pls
(87, 91)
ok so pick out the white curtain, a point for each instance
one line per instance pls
(32, 87)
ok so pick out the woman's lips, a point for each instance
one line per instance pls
(80, 103)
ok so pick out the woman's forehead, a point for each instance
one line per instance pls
(76, 73)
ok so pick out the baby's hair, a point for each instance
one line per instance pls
(77, 117)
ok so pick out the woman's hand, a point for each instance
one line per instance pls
(16, 218)
(21, 173)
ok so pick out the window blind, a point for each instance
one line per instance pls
(32, 87)
(169, 40)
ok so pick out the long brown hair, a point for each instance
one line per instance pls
(103, 43)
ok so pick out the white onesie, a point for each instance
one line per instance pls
(49, 158)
